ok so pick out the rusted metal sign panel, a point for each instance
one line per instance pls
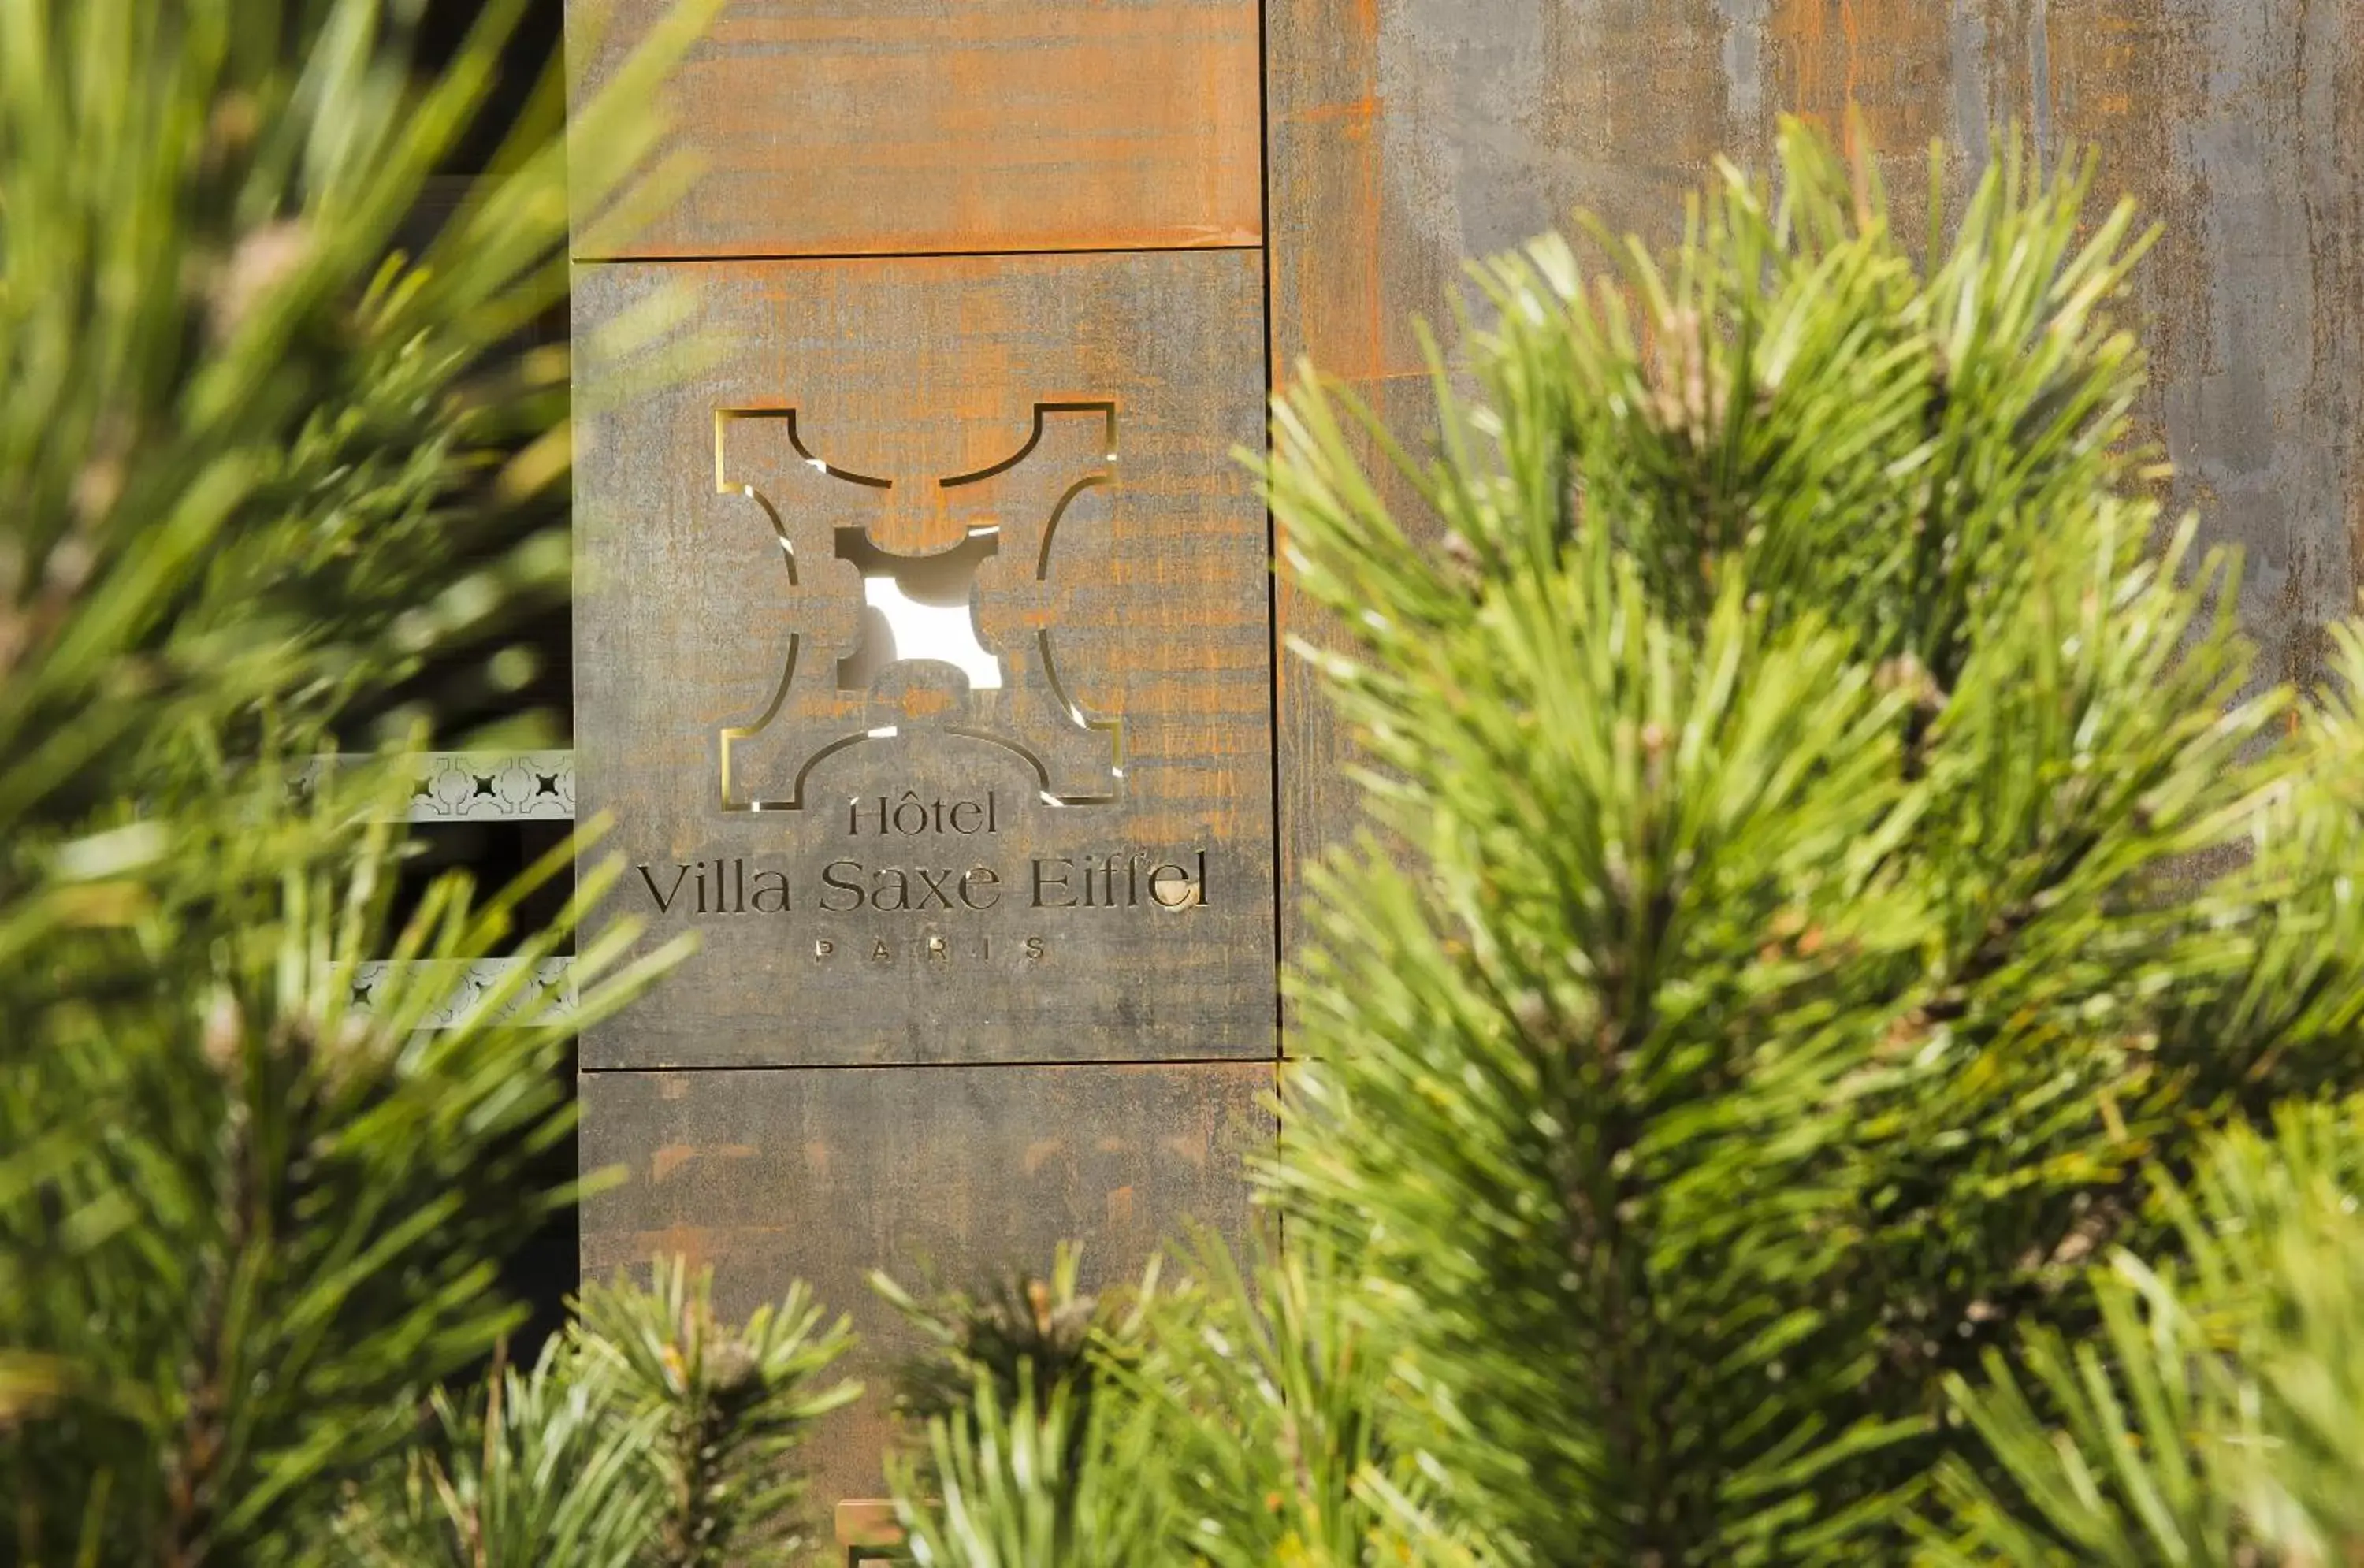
(878, 127)
(1407, 134)
(822, 1176)
(923, 660)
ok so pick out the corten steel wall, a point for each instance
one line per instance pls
(989, 946)
(1406, 134)
(921, 218)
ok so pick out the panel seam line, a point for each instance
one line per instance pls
(696, 260)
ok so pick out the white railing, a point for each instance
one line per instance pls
(485, 786)
(467, 983)
(489, 786)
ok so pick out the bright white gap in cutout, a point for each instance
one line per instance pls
(917, 606)
(921, 629)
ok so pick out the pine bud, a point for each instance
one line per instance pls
(263, 260)
(1463, 555)
(732, 1368)
(223, 1035)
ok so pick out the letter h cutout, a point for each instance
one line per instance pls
(956, 639)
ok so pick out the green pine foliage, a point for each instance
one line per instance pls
(653, 1435)
(734, 1405)
(548, 1468)
(1244, 1416)
(1831, 877)
(262, 466)
(1045, 1325)
(2219, 1416)
(1784, 1062)
(1024, 1480)
(1231, 1420)
(1791, 948)
(1281, 1431)
(1035, 1339)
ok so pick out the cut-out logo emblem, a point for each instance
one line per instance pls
(957, 639)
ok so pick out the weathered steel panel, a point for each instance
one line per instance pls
(895, 126)
(1048, 838)
(824, 1175)
(1406, 134)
